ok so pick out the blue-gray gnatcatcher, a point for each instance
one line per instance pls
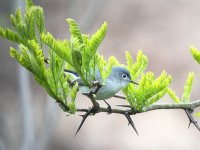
(118, 79)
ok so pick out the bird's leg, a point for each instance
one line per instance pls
(109, 107)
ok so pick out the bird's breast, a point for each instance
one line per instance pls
(108, 91)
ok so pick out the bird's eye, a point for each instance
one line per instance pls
(124, 76)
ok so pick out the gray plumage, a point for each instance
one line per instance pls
(118, 79)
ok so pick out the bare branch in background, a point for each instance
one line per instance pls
(25, 97)
(47, 125)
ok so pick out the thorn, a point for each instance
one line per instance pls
(189, 124)
(130, 121)
(91, 110)
(81, 115)
(119, 96)
(191, 119)
(124, 106)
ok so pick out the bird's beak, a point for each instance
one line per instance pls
(134, 82)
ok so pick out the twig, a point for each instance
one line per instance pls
(189, 106)
(119, 96)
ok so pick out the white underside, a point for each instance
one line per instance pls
(105, 92)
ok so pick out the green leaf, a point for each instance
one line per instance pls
(77, 60)
(156, 97)
(18, 16)
(149, 90)
(75, 30)
(101, 65)
(20, 26)
(56, 69)
(89, 54)
(137, 68)
(195, 53)
(61, 48)
(72, 108)
(13, 52)
(96, 40)
(172, 94)
(112, 61)
(10, 35)
(13, 20)
(30, 22)
(129, 60)
(188, 87)
(73, 94)
(37, 58)
(39, 14)
(29, 4)
(197, 114)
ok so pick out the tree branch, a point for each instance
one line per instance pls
(189, 108)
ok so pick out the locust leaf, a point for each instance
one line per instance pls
(75, 30)
(30, 22)
(61, 48)
(188, 87)
(149, 91)
(10, 35)
(197, 114)
(39, 15)
(195, 53)
(172, 94)
(73, 94)
(137, 68)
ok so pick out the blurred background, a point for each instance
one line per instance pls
(164, 30)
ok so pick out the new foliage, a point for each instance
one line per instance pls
(79, 53)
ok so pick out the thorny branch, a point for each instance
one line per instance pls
(187, 107)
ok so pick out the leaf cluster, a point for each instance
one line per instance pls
(150, 89)
(79, 54)
(27, 33)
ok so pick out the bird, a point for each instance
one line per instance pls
(118, 79)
